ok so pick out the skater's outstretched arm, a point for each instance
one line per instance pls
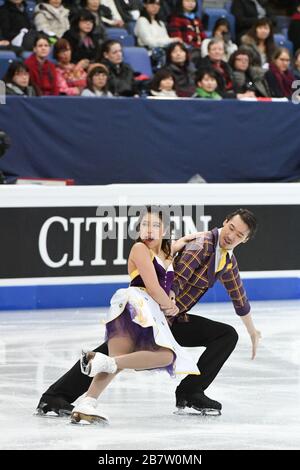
(255, 335)
(178, 245)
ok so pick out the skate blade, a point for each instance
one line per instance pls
(197, 412)
(53, 414)
(83, 419)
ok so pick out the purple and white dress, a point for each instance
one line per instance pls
(133, 312)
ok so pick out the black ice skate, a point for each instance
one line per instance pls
(54, 406)
(199, 402)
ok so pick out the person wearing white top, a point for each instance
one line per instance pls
(97, 82)
(149, 30)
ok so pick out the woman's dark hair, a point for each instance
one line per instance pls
(82, 15)
(40, 36)
(15, 67)
(171, 48)
(164, 216)
(221, 22)
(205, 71)
(146, 15)
(60, 46)
(94, 71)
(179, 8)
(248, 218)
(83, 3)
(270, 44)
(162, 74)
(105, 48)
(235, 54)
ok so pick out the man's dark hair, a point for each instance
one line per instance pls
(248, 218)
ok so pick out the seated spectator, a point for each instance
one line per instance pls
(121, 80)
(94, 7)
(294, 27)
(71, 77)
(4, 43)
(52, 18)
(186, 25)
(81, 37)
(17, 80)
(42, 72)
(246, 77)
(97, 82)
(221, 30)
(124, 12)
(163, 85)
(13, 18)
(222, 68)
(296, 69)
(260, 42)
(279, 77)
(247, 12)
(183, 71)
(206, 82)
(149, 30)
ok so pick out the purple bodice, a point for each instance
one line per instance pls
(165, 276)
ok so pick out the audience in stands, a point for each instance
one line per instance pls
(71, 77)
(279, 77)
(260, 42)
(296, 65)
(247, 12)
(121, 80)
(222, 68)
(220, 30)
(84, 44)
(97, 82)
(149, 30)
(13, 18)
(206, 83)
(294, 27)
(124, 12)
(52, 18)
(17, 80)
(186, 25)
(183, 71)
(163, 85)
(99, 12)
(42, 72)
(246, 76)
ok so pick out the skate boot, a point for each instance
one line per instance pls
(86, 413)
(54, 406)
(199, 402)
(92, 363)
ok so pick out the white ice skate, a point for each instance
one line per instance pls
(93, 363)
(86, 413)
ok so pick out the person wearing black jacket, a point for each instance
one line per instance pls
(246, 12)
(84, 44)
(13, 18)
(121, 80)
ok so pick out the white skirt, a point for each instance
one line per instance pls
(147, 313)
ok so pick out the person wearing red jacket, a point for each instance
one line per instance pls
(186, 25)
(42, 72)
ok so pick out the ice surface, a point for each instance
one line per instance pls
(261, 398)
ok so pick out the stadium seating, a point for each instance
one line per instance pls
(138, 58)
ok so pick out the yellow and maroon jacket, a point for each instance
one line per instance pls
(195, 273)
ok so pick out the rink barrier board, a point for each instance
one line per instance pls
(99, 295)
(39, 290)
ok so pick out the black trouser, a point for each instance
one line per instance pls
(218, 338)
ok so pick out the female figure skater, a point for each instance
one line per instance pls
(137, 330)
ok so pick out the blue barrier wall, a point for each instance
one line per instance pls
(104, 141)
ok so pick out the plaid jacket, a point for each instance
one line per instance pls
(195, 273)
(190, 31)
